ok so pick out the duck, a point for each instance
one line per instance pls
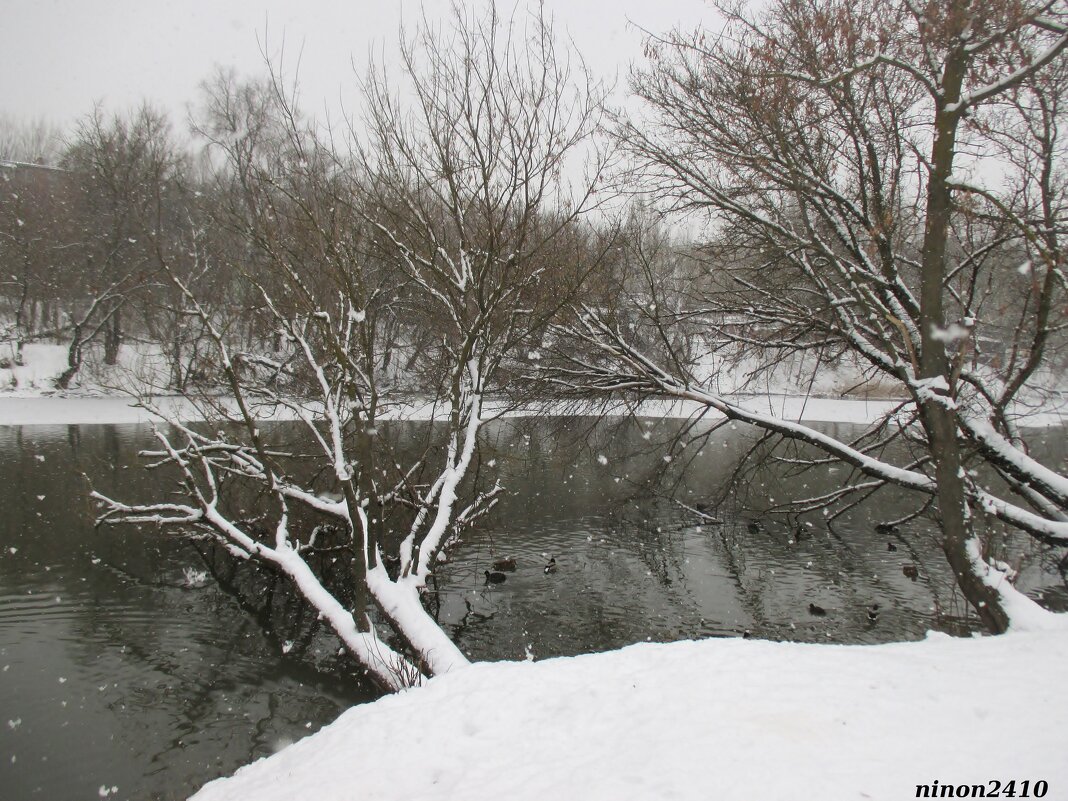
(801, 533)
(551, 567)
(885, 528)
(911, 571)
(495, 577)
(753, 527)
(891, 547)
(504, 564)
(873, 613)
(818, 611)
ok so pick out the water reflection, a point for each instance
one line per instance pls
(114, 670)
(134, 658)
(634, 565)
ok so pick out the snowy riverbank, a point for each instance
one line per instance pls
(106, 395)
(56, 409)
(718, 719)
(75, 409)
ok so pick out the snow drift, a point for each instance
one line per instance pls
(717, 719)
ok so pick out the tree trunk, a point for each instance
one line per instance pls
(177, 375)
(32, 324)
(113, 338)
(20, 324)
(74, 359)
(937, 399)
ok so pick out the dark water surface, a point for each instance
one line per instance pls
(123, 664)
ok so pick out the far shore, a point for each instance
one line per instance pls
(55, 409)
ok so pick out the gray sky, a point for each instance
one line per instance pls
(58, 56)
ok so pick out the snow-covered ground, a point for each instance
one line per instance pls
(42, 364)
(85, 410)
(138, 366)
(104, 395)
(76, 410)
(717, 719)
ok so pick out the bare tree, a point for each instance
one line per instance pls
(34, 141)
(120, 169)
(432, 238)
(34, 198)
(32, 248)
(468, 191)
(828, 143)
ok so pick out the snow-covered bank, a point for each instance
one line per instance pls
(84, 410)
(104, 395)
(56, 410)
(77, 409)
(140, 366)
(71, 410)
(718, 719)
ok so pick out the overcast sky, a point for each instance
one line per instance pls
(58, 56)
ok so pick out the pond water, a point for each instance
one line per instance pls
(124, 664)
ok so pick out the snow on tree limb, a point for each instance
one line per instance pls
(641, 374)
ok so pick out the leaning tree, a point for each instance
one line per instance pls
(413, 264)
(881, 178)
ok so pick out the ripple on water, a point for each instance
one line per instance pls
(133, 679)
